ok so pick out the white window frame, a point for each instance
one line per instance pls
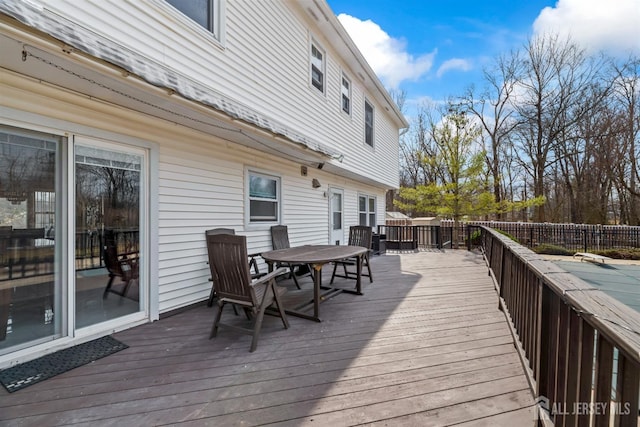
(216, 18)
(370, 201)
(248, 198)
(347, 95)
(368, 103)
(321, 67)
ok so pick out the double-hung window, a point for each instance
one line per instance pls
(367, 210)
(346, 95)
(264, 197)
(206, 13)
(368, 123)
(317, 67)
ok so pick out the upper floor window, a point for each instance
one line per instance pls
(367, 210)
(368, 123)
(346, 95)
(264, 197)
(317, 67)
(206, 13)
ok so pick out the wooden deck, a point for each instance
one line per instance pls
(425, 345)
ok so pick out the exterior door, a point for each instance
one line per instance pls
(336, 216)
(108, 218)
(31, 287)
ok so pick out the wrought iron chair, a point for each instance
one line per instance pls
(228, 262)
(123, 267)
(253, 263)
(280, 240)
(359, 235)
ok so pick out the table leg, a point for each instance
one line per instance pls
(359, 272)
(317, 282)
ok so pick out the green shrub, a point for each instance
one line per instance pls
(548, 249)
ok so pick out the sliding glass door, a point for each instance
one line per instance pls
(108, 183)
(31, 294)
(71, 246)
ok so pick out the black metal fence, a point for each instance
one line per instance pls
(573, 237)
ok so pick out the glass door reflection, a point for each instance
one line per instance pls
(107, 243)
(30, 286)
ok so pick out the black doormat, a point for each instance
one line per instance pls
(34, 371)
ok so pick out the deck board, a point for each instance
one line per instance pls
(425, 345)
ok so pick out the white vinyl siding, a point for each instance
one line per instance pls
(198, 178)
(269, 37)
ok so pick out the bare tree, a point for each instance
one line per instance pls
(556, 75)
(496, 115)
(626, 90)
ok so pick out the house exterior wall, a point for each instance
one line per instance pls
(197, 175)
(198, 188)
(263, 63)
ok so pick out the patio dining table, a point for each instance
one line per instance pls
(317, 256)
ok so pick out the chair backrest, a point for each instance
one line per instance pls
(110, 253)
(228, 263)
(220, 231)
(360, 235)
(280, 237)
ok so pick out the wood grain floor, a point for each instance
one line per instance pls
(424, 346)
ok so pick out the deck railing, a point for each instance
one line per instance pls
(576, 237)
(573, 237)
(580, 346)
(412, 237)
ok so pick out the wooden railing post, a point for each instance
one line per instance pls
(627, 391)
(560, 329)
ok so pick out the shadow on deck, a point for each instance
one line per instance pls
(425, 345)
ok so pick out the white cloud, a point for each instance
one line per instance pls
(453, 64)
(387, 56)
(613, 25)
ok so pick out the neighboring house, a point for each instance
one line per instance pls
(134, 126)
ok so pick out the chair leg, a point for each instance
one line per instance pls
(256, 327)
(125, 289)
(369, 269)
(108, 288)
(214, 328)
(333, 275)
(293, 275)
(212, 295)
(283, 316)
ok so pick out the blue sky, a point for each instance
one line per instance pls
(434, 49)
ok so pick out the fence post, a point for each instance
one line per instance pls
(584, 236)
(468, 230)
(530, 237)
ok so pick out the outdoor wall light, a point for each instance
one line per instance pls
(315, 183)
